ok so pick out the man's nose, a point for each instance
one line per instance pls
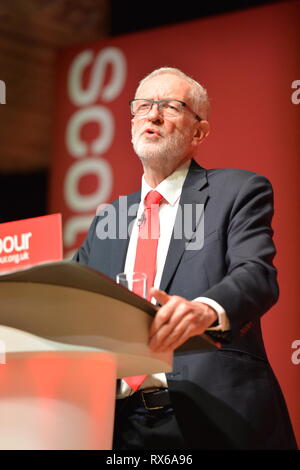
(154, 113)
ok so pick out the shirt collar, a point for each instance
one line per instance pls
(171, 187)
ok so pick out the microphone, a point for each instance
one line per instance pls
(141, 219)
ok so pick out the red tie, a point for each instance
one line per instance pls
(145, 259)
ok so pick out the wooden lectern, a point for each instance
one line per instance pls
(68, 333)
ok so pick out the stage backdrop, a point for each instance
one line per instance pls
(250, 63)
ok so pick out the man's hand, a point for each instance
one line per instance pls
(177, 320)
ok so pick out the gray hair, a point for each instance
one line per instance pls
(198, 93)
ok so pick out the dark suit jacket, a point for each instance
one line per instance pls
(227, 398)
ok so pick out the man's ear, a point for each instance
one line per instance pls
(201, 131)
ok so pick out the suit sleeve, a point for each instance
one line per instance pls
(83, 253)
(250, 286)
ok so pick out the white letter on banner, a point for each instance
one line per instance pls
(82, 202)
(296, 354)
(2, 92)
(74, 226)
(8, 244)
(296, 95)
(103, 116)
(108, 56)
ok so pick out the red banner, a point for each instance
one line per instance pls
(29, 242)
(249, 62)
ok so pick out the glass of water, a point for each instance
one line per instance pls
(135, 281)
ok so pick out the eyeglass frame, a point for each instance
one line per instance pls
(183, 104)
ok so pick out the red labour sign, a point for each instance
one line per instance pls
(28, 242)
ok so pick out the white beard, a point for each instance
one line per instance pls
(169, 147)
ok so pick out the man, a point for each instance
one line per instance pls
(225, 398)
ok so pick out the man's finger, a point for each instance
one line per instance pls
(163, 326)
(162, 341)
(161, 296)
(162, 316)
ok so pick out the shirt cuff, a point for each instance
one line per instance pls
(224, 324)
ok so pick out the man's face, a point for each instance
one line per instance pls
(169, 139)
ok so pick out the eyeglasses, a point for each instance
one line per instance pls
(168, 108)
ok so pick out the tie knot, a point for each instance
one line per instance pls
(153, 198)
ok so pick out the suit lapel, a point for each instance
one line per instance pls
(128, 214)
(194, 191)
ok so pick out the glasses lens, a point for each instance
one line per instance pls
(140, 107)
(171, 108)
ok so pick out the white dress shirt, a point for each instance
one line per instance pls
(170, 188)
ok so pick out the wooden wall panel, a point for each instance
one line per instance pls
(31, 32)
